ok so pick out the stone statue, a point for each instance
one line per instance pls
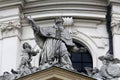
(94, 73)
(25, 66)
(7, 76)
(27, 55)
(55, 42)
(110, 70)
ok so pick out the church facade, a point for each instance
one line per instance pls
(93, 25)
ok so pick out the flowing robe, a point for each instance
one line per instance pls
(52, 47)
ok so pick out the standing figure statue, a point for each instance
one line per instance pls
(54, 42)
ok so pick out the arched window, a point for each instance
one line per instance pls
(82, 59)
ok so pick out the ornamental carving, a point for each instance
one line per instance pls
(68, 22)
(11, 25)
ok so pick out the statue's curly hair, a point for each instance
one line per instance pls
(24, 45)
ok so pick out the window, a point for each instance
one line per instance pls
(80, 60)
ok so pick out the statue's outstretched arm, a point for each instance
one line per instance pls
(34, 26)
(34, 53)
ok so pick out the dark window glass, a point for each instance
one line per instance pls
(80, 60)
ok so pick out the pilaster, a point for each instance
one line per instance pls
(115, 24)
(10, 35)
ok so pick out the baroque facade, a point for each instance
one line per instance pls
(85, 20)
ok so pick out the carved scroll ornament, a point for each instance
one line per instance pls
(11, 25)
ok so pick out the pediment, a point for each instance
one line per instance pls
(56, 73)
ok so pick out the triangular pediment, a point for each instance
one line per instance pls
(56, 73)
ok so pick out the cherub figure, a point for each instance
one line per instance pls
(27, 55)
(25, 66)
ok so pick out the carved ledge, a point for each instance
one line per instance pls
(115, 25)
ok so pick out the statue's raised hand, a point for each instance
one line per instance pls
(30, 18)
(32, 22)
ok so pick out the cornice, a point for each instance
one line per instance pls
(115, 1)
(42, 9)
(65, 2)
(7, 3)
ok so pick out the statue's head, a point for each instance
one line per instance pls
(26, 45)
(59, 20)
(108, 57)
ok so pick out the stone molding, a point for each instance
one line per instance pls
(56, 73)
(48, 9)
(8, 3)
(115, 1)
